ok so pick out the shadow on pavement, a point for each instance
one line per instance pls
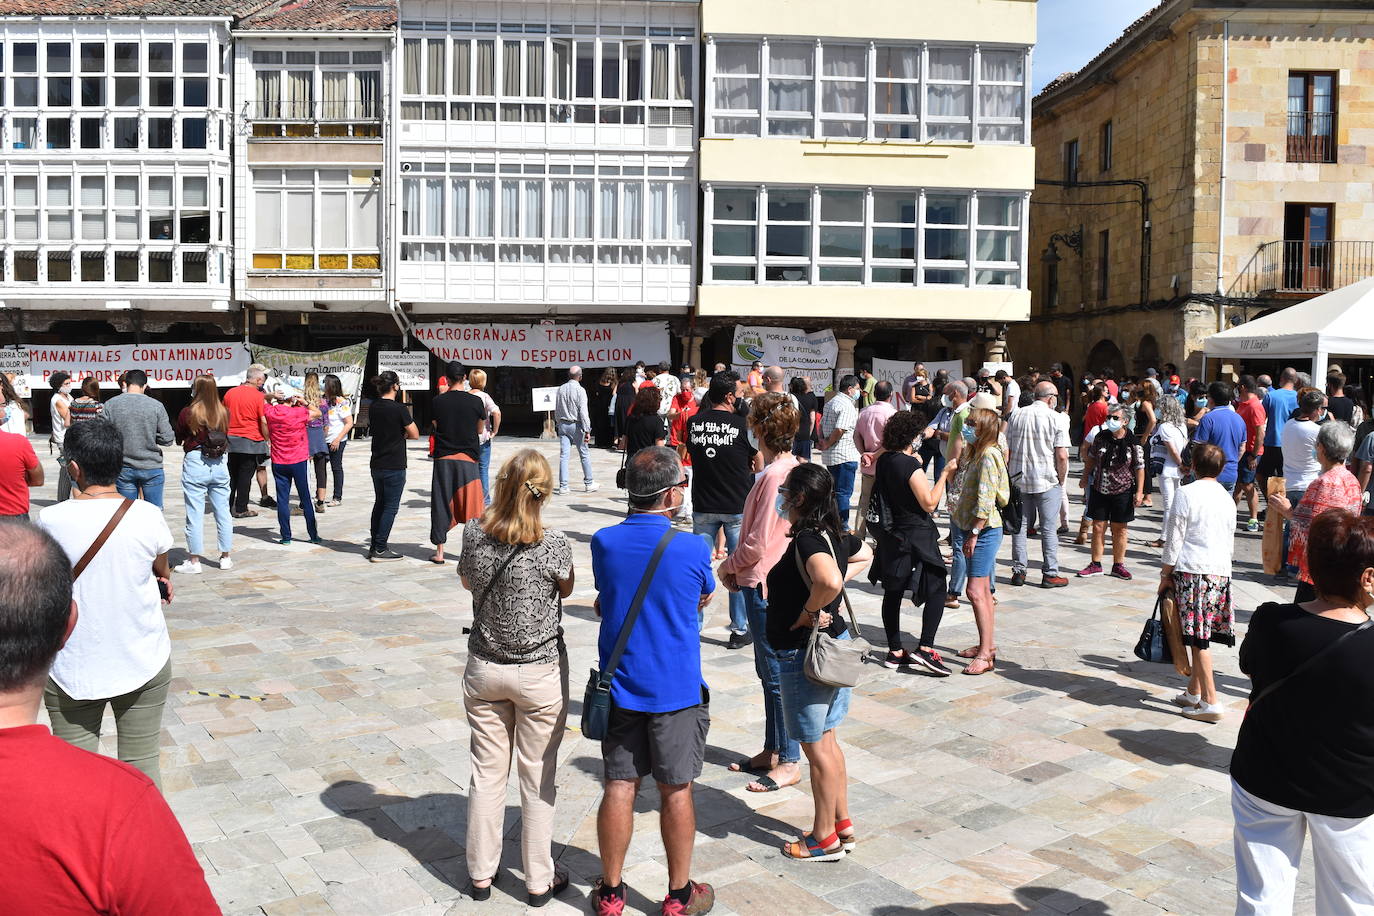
(1028, 900)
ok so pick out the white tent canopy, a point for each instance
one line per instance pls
(1339, 323)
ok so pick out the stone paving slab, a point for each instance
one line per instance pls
(1063, 783)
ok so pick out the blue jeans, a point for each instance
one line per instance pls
(387, 487)
(707, 524)
(484, 469)
(201, 476)
(935, 454)
(570, 435)
(844, 488)
(144, 483)
(809, 709)
(766, 667)
(285, 475)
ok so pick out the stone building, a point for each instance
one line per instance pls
(1209, 166)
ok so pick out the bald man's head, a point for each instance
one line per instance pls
(35, 603)
(773, 378)
(575, 373)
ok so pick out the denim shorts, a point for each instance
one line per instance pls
(984, 562)
(808, 709)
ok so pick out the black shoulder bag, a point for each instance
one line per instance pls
(596, 702)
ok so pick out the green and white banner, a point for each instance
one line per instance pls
(290, 367)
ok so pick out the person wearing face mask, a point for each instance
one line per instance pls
(60, 410)
(839, 453)
(1333, 488)
(1114, 479)
(1224, 428)
(1301, 466)
(868, 436)
(773, 423)
(1038, 443)
(660, 704)
(1304, 757)
(723, 465)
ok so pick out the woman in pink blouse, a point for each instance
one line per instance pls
(762, 541)
(286, 429)
(1335, 488)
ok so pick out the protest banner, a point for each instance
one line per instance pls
(14, 364)
(169, 365)
(291, 366)
(798, 353)
(543, 398)
(413, 368)
(547, 345)
(994, 367)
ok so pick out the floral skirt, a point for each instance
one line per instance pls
(1204, 609)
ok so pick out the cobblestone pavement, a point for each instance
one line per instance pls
(1063, 783)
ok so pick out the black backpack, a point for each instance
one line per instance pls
(216, 444)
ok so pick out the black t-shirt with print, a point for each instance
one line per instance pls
(456, 415)
(387, 421)
(788, 591)
(722, 462)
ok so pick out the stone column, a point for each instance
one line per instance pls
(844, 360)
(694, 351)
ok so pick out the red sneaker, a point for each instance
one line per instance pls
(606, 904)
(702, 898)
(1121, 572)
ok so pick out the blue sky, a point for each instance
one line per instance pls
(1072, 32)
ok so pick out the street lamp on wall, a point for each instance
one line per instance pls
(1050, 258)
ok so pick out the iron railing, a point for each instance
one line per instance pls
(1299, 268)
(1311, 136)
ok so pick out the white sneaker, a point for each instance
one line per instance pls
(561, 491)
(1186, 700)
(188, 568)
(592, 487)
(225, 564)
(1205, 712)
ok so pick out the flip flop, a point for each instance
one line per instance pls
(746, 765)
(438, 561)
(769, 785)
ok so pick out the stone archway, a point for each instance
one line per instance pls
(1147, 354)
(1106, 355)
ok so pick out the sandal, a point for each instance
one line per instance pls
(747, 765)
(808, 850)
(989, 662)
(1157, 544)
(972, 652)
(845, 831)
(437, 560)
(769, 784)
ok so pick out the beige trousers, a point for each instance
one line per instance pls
(520, 709)
(865, 491)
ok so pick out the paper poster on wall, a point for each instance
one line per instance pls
(14, 365)
(797, 352)
(544, 398)
(994, 368)
(290, 367)
(168, 365)
(413, 368)
(548, 345)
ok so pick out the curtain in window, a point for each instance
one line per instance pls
(459, 207)
(486, 69)
(562, 69)
(93, 192)
(364, 222)
(534, 69)
(510, 68)
(682, 210)
(1002, 66)
(582, 209)
(334, 219)
(850, 61)
(410, 206)
(682, 76)
(949, 101)
(462, 67)
(608, 210)
(483, 200)
(737, 93)
(269, 93)
(298, 93)
(160, 193)
(125, 192)
(435, 68)
(410, 75)
(266, 219)
(950, 64)
(558, 209)
(789, 59)
(658, 72)
(300, 223)
(195, 193)
(334, 94)
(898, 63)
(534, 209)
(658, 210)
(510, 209)
(434, 207)
(1000, 101)
(369, 81)
(632, 200)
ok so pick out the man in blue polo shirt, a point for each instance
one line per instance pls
(659, 712)
(1224, 428)
(1279, 405)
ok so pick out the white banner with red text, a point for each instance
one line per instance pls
(555, 345)
(168, 365)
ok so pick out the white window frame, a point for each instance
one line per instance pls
(263, 181)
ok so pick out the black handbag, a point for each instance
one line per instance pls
(620, 473)
(1013, 513)
(1152, 646)
(877, 513)
(596, 701)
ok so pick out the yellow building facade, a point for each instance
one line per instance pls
(1208, 167)
(867, 169)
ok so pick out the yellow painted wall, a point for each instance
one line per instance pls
(1004, 21)
(822, 304)
(872, 163)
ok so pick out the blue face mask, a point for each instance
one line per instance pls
(780, 504)
(1201, 402)
(1113, 425)
(969, 434)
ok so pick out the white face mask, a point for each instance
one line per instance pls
(753, 440)
(946, 402)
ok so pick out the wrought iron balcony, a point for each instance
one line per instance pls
(1301, 268)
(1311, 136)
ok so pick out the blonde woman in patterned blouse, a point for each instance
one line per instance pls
(515, 686)
(986, 489)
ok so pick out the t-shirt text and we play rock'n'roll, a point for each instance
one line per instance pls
(722, 462)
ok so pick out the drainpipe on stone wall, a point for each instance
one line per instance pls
(1221, 191)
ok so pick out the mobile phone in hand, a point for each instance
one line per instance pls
(163, 590)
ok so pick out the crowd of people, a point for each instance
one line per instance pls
(732, 459)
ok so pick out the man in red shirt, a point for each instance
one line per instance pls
(1251, 410)
(19, 470)
(79, 833)
(247, 442)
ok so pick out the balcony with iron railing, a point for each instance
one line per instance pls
(1301, 269)
(1311, 136)
(301, 119)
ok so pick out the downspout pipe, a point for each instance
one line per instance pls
(1146, 229)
